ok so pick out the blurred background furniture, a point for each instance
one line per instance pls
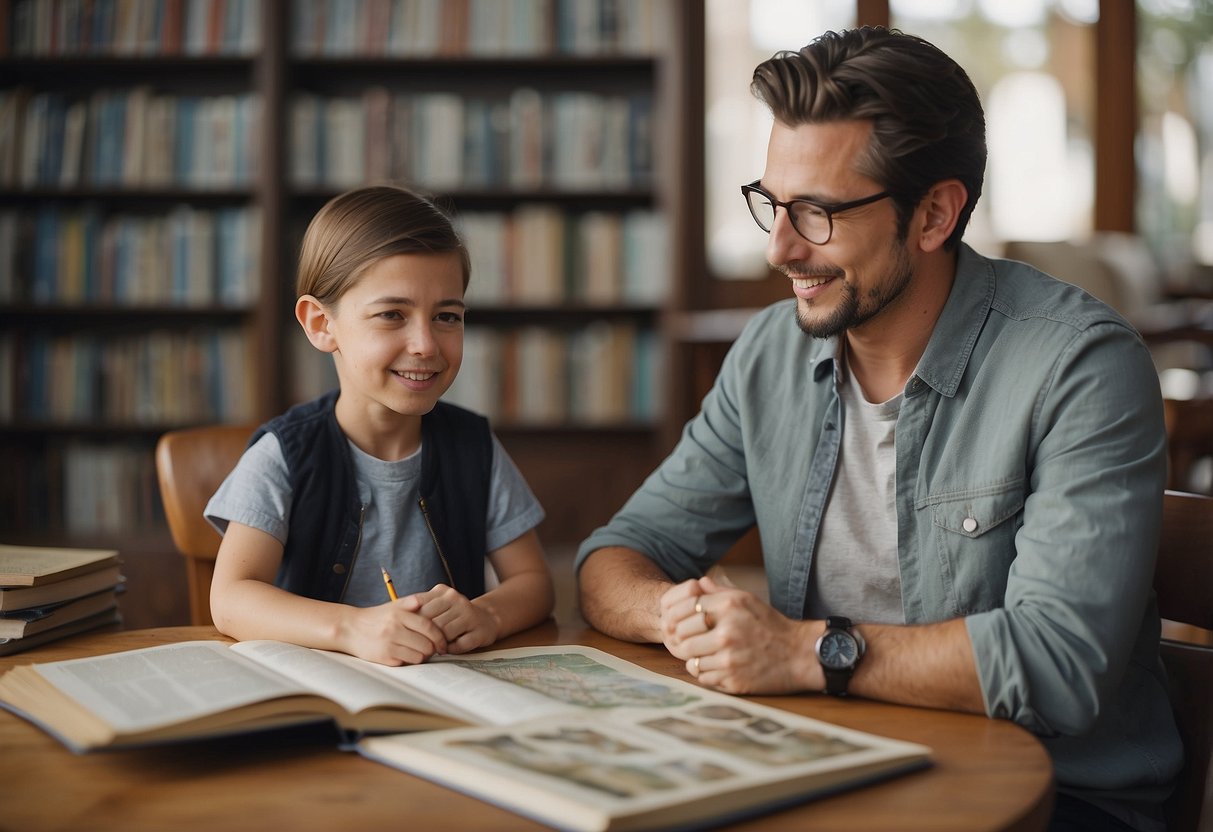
(1190, 444)
(1183, 583)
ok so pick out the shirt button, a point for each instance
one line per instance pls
(915, 384)
(339, 568)
(969, 525)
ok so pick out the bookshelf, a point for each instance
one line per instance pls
(159, 160)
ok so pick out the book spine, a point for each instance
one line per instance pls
(571, 141)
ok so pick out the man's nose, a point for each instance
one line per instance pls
(784, 243)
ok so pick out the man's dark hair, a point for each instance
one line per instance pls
(927, 119)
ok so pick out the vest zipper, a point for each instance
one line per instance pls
(446, 567)
(357, 548)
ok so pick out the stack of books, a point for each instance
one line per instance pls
(50, 593)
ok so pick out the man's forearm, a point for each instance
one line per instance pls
(930, 665)
(621, 593)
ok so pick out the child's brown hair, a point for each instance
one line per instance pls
(359, 227)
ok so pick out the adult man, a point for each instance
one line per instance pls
(962, 467)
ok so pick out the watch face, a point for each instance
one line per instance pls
(838, 650)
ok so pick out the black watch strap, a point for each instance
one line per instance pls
(838, 679)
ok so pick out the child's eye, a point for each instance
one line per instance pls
(449, 317)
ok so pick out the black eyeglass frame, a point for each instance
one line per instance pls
(827, 208)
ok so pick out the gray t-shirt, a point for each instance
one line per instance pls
(855, 567)
(258, 494)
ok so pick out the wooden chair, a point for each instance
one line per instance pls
(190, 464)
(1183, 582)
(1189, 438)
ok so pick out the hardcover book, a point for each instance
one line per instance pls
(37, 565)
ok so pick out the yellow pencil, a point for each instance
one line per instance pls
(387, 579)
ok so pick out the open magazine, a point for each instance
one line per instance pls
(599, 743)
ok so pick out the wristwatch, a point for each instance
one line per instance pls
(839, 651)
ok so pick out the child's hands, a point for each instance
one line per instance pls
(393, 634)
(465, 625)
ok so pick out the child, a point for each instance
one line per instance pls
(379, 473)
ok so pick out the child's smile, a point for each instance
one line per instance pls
(397, 339)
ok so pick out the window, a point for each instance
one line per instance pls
(740, 35)
(1032, 63)
(1174, 150)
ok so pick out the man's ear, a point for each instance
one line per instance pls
(314, 319)
(941, 209)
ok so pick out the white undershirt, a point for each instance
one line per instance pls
(855, 567)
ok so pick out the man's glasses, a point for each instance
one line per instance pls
(812, 220)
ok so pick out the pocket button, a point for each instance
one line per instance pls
(969, 525)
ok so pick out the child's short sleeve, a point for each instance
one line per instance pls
(257, 493)
(513, 508)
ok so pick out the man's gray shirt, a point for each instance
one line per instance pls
(1031, 459)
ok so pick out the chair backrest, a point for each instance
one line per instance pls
(190, 464)
(1183, 582)
(1189, 438)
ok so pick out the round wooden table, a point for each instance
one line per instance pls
(986, 774)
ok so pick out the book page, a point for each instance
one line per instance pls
(505, 686)
(351, 683)
(143, 689)
(671, 763)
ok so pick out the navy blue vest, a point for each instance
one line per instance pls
(326, 513)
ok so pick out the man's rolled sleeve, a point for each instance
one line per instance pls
(1053, 656)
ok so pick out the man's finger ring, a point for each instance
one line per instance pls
(707, 618)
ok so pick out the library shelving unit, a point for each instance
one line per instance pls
(159, 160)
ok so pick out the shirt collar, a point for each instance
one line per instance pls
(956, 331)
(825, 361)
(964, 315)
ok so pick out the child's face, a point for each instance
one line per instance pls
(398, 333)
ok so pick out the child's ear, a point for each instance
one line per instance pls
(315, 322)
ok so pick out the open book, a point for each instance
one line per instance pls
(569, 735)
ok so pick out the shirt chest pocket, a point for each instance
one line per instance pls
(974, 535)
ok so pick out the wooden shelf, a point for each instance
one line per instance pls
(105, 316)
(554, 458)
(129, 198)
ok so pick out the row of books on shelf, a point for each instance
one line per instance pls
(128, 137)
(81, 486)
(388, 28)
(134, 27)
(606, 374)
(541, 255)
(189, 256)
(420, 28)
(151, 379)
(51, 593)
(442, 140)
